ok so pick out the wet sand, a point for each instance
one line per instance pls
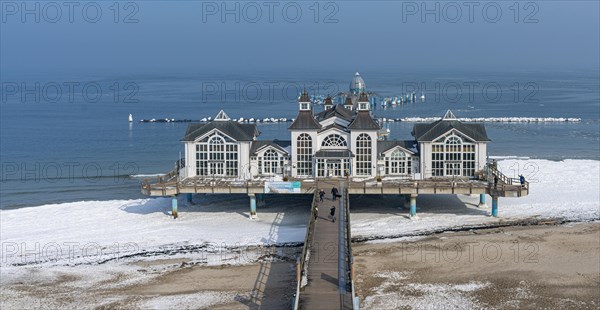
(513, 267)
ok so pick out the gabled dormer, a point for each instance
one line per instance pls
(304, 102)
(363, 102)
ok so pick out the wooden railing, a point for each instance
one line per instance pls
(504, 180)
(349, 249)
(301, 263)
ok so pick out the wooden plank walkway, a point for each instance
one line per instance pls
(327, 275)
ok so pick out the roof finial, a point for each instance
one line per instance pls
(222, 116)
(449, 116)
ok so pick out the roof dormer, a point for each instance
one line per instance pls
(363, 102)
(328, 103)
(304, 102)
(348, 104)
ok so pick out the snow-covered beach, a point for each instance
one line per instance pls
(103, 238)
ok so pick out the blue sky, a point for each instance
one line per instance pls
(189, 36)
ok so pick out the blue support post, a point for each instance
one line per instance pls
(252, 205)
(495, 206)
(174, 207)
(413, 205)
(482, 201)
(260, 200)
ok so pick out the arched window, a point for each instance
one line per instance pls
(304, 156)
(453, 157)
(217, 156)
(216, 146)
(270, 162)
(334, 140)
(397, 163)
(363, 155)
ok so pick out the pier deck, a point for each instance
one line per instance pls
(504, 188)
(329, 284)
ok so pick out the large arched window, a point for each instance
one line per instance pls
(304, 156)
(453, 156)
(363, 155)
(334, 140)
(397, 163)
(217, 156)
(271, 162)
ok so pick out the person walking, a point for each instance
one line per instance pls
(334, 193)
(316, 212)
(321, 194)
(332, 213)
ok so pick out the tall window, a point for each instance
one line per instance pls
(437, 160)
(304, 158)
(468, 160)
(334, 140)
(363, 155)
(270, 162)
(453, 157)
(217, 156)
(397, 163)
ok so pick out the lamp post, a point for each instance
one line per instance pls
(287, 169)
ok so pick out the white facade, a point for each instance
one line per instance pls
(337, 142)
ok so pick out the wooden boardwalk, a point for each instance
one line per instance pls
(328, 284)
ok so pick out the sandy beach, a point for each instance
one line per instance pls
(512, 267)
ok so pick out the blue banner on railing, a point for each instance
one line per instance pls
(282, 187)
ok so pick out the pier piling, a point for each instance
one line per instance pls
(495, 206)
(413, 206)
(174, 207)
(482, 201)
(252, 206)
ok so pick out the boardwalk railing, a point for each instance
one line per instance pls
(506, 183)
(301, 263)
(349, 249)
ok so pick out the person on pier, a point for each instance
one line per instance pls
(334, 193)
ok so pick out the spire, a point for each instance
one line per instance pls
(449, 116)
(348, 103)
(304, 101)
(363, 102)
(304, 96)
(222, 116)
(328, 103)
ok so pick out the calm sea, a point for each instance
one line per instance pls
(63, 141)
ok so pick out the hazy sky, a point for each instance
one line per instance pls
(175, 36)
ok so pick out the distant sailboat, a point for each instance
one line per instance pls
(130, 118)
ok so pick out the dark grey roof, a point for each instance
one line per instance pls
(334, 125)
(237, 131)
(410, 145)
(333, 153)
(305, 120)
(364, 121)
(337, 110)
(348, 101)
(430, 132)
(279, 144)
(363, 97)
(304, 97)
